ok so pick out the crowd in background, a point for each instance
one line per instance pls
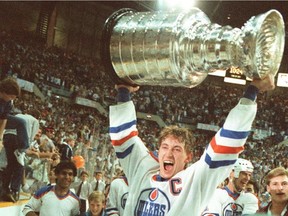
(22, 56)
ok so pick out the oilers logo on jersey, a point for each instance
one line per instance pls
(152, 202)
(233, 209)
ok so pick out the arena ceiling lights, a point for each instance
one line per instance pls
(179, 4)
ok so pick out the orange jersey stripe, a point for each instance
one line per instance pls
(225, 149)
(121, 141)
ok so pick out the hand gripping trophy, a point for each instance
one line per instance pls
(180, 49)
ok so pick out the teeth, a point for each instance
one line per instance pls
(168, 162)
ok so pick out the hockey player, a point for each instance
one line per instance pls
(56, 200)
(164, 185)
(117, 196)
(232, 200)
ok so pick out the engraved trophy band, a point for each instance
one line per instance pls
(181, 48)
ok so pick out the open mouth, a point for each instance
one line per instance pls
(168, 165)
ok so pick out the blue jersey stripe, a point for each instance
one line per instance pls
(122, 127)
(234, 134)
(123, 154)
(43, 190)
(216, 164)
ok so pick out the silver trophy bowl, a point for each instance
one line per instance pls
(181, 48)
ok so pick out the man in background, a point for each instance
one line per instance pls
(56, 200)
(98, 184)
(66, 152)
(277, 185)
(232, 199)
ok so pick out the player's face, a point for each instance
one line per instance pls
(278, 189)
(242, 181)
(65, 178)
(96, 207)
(172, 157)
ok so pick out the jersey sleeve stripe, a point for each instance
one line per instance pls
(42, 191)
(122, 127)
(216, 164)
(233, 134)
(123, 140)
(124, 154)
(224, 149)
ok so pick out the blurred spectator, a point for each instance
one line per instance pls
(98, 184)
(84, 189)
(9, 90)
(67, 149)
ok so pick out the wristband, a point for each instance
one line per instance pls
(251, 92)
(123, 95)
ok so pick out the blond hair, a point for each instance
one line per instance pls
(97, 196)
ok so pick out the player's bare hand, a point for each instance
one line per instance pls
(130, 88)
(265, 84)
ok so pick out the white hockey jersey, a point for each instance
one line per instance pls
(189, 191)
(117, 196)
(227, 203)
(48, 203)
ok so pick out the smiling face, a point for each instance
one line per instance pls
(96, 207)
(278, 189)
(64, 178)
(242, 181)
(172, 156)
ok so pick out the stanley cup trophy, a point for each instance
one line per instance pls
(180, 49)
